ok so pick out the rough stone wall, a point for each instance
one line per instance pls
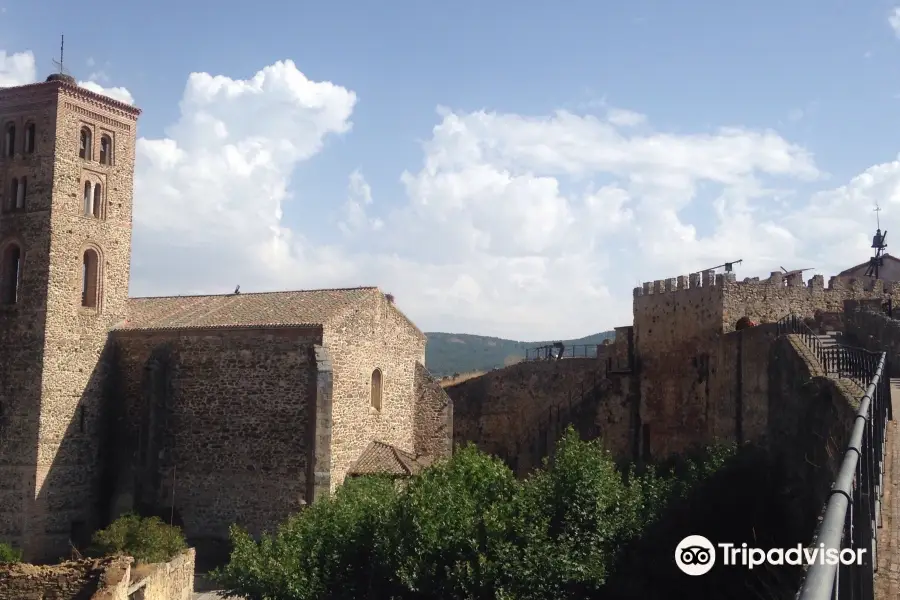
(105, 579)
(869, 328)
(375, 335)
(810, 420)
(519, 412)
(217, 418)
(433, 416)
(685, 369)
(22, 324)
(173, 580)
(62, 502)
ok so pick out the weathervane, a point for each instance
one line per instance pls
(878, 245)
(59, 64)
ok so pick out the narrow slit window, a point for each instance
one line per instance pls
(9, 274)
(89, 278)
(13, 192)
(84, 149)
(20, 192)
(29, 138)
(105, 150)
(98, 194)
(88, 199)
(9, 140)
(376, 389)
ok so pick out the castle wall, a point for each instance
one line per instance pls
(375, 335)
(217, 420)
(688, 371)
(88, 579)
(521, 411)
(433, 416)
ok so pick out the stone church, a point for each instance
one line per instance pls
(209, 410)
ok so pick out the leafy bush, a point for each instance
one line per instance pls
(467, 528)
(148, 540)
(8, 554)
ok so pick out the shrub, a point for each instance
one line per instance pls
(8, 554)
(148, 540)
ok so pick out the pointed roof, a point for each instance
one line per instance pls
(242, 310)
(864, 265)
(384, 459)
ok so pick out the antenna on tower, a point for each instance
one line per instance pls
(59, 64)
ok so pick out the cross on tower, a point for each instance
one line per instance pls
(877, 216)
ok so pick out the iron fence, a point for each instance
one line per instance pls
(853, 511)
(558, 351)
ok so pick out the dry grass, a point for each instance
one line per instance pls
(462, 377)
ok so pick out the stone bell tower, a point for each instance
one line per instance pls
(66, 181)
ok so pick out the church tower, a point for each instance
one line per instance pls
(66, 182)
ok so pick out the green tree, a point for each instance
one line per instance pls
(148, 540)
(8, 554)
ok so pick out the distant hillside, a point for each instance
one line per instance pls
(449, 353)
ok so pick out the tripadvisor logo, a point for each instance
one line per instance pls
(696, 555)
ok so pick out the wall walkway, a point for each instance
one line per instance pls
(887, 578)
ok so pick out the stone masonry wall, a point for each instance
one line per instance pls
(22, 323)
(678, 326)
(63, 505)
(375, 335)
(500, 410)
(228, 410)
(434, 416)
(876, 332)
(105, 579)
(173, 580)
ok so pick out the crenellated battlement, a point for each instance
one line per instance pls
(776, 279)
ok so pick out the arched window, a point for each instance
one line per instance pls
(13, 192)
(9, 274)
(97, 200)
(20, 193)
(376, 389)
(9, 140)
(84, 150)
(88, 199)
(105, 150)
(29, 138)
(90, 278)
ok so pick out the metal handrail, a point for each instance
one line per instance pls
(551, 352)
(853, 511)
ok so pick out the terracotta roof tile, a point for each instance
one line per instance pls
(383, 459)
(268, 309)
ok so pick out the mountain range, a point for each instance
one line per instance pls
(448, 354)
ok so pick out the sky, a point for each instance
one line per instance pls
(505, 168)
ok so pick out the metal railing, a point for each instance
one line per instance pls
(837, 360)
(556, 352)
(853, 511)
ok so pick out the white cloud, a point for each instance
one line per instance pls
(16, 69)
(625, 118)
(530, 227)
(894, 20)
(116, 93)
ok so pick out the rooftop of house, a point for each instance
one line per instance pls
(383, 459)
(887, 258)
(242, 310)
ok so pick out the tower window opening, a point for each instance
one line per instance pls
(89, 278)
(13, 192)
(97, 200)
(9, 274)
(20, 192)
(9, 140)
(29, 138)
(84, 150)
(88, 199)
(105, 150)
(376, 389)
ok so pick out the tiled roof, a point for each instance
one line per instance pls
(128, 108)
(850, 271)
(383, 459)
(268, 309)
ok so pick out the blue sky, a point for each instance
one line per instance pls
(482, 240)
